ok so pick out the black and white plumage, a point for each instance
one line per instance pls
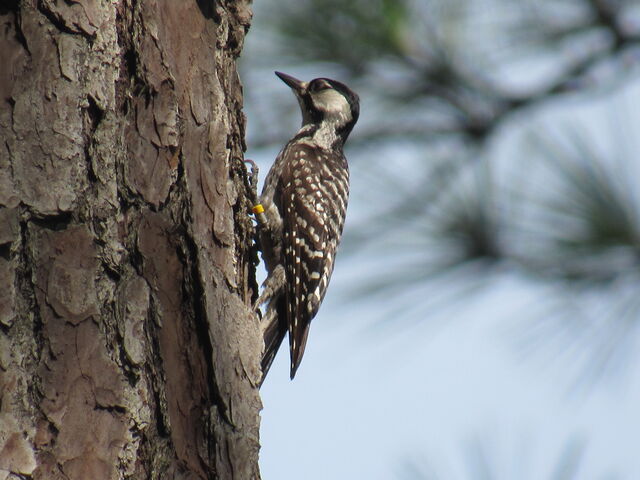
(305, 200)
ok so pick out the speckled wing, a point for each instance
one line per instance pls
(314, 201)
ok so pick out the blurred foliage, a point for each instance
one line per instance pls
(447, 77)
(447, 83)
(320, 29)
(438, 68)
(588, 230)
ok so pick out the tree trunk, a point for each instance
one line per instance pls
(127, 347)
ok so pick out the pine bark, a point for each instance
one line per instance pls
(127, 347)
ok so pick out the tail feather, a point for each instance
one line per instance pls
(274, 330)
(298, 351)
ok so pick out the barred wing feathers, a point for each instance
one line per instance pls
(314, 201)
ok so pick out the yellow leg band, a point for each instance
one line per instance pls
(257, 209)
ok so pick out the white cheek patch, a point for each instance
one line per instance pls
(334, 104)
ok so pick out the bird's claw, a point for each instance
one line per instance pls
(250, 178)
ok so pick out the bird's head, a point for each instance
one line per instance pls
(325, 101)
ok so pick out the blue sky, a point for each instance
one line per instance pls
(423, 386)
(364, 403)
(382, 385)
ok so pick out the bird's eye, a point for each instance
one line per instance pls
(319, 85)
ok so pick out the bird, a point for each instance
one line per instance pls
(303, 206)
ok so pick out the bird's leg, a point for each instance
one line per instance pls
(252, 179)
(251, 184)
(272, 286)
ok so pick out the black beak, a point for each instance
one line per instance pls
(296, 85)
